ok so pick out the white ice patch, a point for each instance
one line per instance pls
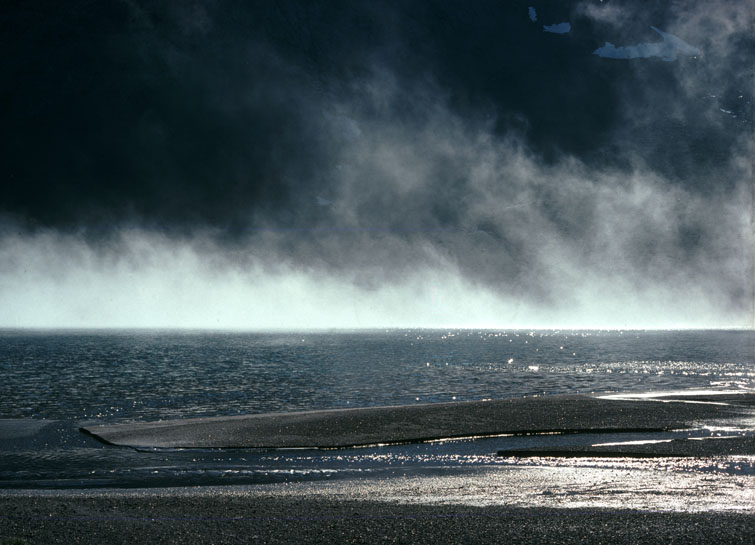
(676, 393)
(639, 442)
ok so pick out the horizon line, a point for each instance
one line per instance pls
(357, 328)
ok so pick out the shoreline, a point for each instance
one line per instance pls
(560, 499)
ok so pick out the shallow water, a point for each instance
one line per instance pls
(57, 456)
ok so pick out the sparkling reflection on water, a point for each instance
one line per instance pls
(662, 485)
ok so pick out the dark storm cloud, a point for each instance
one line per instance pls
(126, 113)
(212, 112)
(368, 141)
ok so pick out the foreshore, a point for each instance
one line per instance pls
(634, 500)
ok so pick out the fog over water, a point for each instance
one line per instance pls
(420, 164)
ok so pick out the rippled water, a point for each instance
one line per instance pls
(125, 375)
(54, 382)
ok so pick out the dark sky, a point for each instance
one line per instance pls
(366, 146)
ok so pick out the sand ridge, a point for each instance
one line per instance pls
(340, 428)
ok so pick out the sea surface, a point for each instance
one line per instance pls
(53, 382)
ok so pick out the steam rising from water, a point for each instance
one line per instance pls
(153, 282)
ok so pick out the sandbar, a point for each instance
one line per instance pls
(341, 428)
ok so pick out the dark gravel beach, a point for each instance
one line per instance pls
(250, 518)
